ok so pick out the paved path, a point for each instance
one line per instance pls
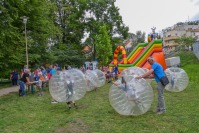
(8, 90)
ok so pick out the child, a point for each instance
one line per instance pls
(123, 85)
(70, 85)
(39, 84)
(130, 92)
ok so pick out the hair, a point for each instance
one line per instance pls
(151, 58)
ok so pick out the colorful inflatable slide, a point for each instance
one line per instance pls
(138, 57)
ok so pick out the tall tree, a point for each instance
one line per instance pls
(40, 28)
(103, 45)
(106, 12)
(139, 37)
(11, 44)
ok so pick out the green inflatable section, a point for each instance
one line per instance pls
(138, 46)
(139, 58)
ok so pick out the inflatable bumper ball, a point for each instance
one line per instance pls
(69, 85)
(91, 80)
(178, 79)
(196, 49)
(101, 77)
(134, 99)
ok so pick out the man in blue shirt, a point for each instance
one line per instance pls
(158, 71)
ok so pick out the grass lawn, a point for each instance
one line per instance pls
(35, 114)
(5, 83)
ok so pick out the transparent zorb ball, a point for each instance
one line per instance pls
(196, 49)
(131, 72)
(57, 87)
(91, 80)
(178, 79)
(147, 79)
(69, 85)
(101, 77)
(134, 99)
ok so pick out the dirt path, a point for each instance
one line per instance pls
(8, 90)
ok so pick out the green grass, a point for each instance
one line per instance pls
(35, 114)
(5, 83)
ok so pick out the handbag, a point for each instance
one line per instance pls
(164, 80)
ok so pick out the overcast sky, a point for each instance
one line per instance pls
(144, 14)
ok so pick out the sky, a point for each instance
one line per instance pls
(145, 14)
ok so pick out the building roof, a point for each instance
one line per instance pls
(87, 48)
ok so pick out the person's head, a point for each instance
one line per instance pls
(38, 69)
(50, 66)
(69, 67)
(27, 71)
(39, 75)
(66, 67)
(151, 60)
(55, 66)
(42, 68)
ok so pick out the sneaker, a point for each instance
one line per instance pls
(156, 110)
(69, 108)
(160, 112)
(54, 102)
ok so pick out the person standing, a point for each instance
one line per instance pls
(158, 71)
(82, 68)
(116, 71)
(48, 72)
(53, 71)
(70, 90)
(14, 77)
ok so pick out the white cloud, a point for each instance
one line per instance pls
(197, 3)
(144, 14)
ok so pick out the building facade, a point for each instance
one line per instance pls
(187, 29)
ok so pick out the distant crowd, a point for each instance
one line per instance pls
(39, 77)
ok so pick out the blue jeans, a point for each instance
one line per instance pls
(22, 88)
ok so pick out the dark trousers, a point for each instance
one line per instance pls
(14, 81)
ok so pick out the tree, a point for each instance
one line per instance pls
(137, 38)
(68, 55)
(106, 12)
(40, 28)
(55, 27)
(103, 45)
(184, 40)
(10, 37)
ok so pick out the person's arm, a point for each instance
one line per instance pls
(115, 83)
(28, 81)
(146, 74)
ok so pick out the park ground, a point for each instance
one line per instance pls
(35, 114)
